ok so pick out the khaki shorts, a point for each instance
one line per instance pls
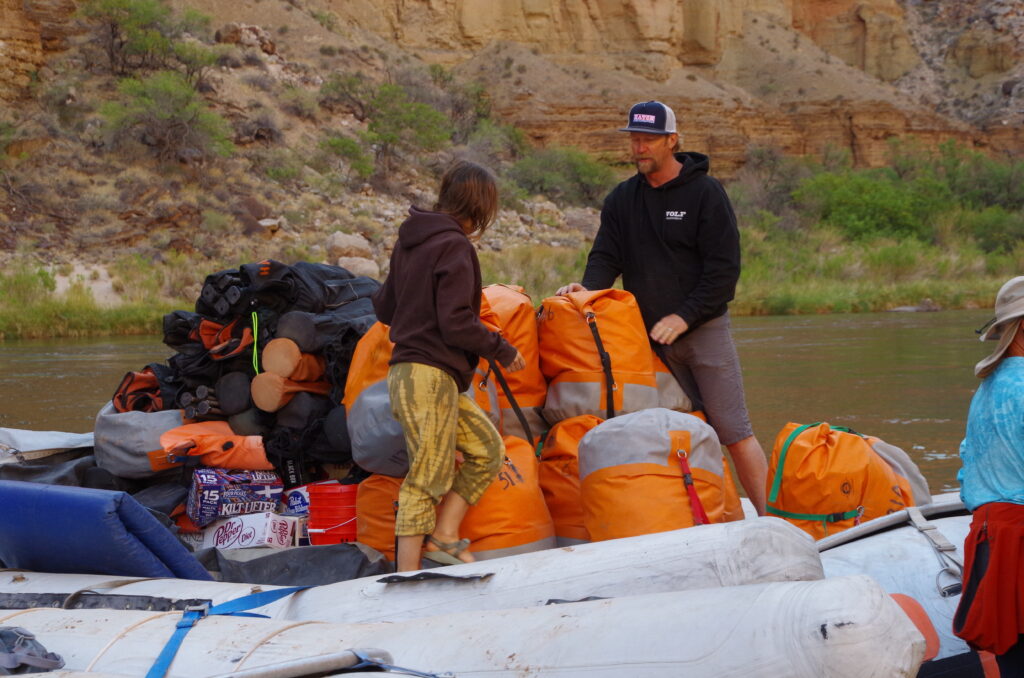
(705, 364)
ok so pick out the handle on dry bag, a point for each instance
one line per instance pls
(606, 365)
(496, 370)
(700, 517)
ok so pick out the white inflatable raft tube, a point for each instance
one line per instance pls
(902, 559)
(846, 627)
(729, 554)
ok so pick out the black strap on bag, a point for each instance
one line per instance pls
(496, 370)
(606, 365)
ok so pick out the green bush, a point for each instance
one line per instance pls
(197, 60)
(165, 113)
(133, 33)
(397, 123)
(994, 228)
(352, 91)
(865, 204)
(564, 174)
(352, 152)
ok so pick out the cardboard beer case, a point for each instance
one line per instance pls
(220, 493)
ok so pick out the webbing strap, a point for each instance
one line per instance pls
(824, 517)
(194, 613)
(606, 365)
(777, 481)
(700, 517)
(944, 549)
(496, 370)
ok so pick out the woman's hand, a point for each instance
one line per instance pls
(517, 363)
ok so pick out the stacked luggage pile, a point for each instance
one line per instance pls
(249, 406)
(271, 426)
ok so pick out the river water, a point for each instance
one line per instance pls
(904, 377)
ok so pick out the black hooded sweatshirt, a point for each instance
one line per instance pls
(431, 299)
(676, 246)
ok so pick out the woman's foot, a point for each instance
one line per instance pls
(447, 552)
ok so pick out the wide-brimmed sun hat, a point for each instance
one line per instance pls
(1004, 326)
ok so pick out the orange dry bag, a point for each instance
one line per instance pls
(826, 479)
(520, 400)
(378, 443)
(651, 471)
(511, 517)
(560, 478)
(595, 354)
(376, 504)
(216, 445)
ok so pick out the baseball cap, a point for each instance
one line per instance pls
(652, 117)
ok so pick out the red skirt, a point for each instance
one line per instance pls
(991, 611)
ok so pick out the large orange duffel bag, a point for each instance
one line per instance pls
(560, 477)
(378, 442)
(595, 354)
(652, 471)
(511, 516)
(827, 479)
(507, 309)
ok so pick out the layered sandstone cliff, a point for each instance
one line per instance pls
(799, 75)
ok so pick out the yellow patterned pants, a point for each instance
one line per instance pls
(437, 421)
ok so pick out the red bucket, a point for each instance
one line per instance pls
(332, 513)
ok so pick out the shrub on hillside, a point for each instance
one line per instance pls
(133, 33)
(351, 92)
(165, 113)
(357, 160)
(565, 175)
(397, 123)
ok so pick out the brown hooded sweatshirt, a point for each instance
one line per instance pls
(431, 299)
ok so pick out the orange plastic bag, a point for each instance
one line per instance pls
(826, 479)
(215, 444)
(595, 354)
(560, 478)
(511, 517)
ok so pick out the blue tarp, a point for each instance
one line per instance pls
(59, 528)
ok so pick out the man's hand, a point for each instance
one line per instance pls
(668, 329)
(570, 288)
(517, 363)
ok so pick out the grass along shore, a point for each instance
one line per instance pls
(816, 275)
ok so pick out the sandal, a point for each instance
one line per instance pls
(447, 551)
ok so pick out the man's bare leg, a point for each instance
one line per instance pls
(752, 469)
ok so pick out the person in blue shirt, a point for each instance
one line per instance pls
(991, 612)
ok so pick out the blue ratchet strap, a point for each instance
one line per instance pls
(194, 613)
(367, 662)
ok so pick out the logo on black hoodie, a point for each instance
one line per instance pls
(673, 215)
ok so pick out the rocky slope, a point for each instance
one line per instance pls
(803, 76)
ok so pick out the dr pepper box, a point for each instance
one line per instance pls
(220, 493)
(254, 529)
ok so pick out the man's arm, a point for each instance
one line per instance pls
(718, 243)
